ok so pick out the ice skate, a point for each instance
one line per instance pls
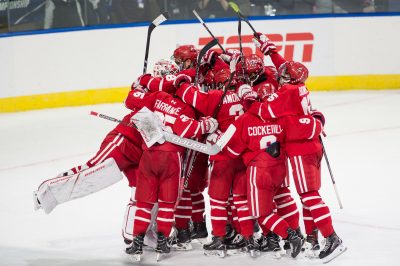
(235, 244)
(311, 246)
(333, 248)
(295, 242)
(215, 248)
(136, 249)
(199, 230)
(270, 245)
(182, 240)
(252, 246)
(162, 246)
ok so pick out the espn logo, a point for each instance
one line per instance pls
(293, 46)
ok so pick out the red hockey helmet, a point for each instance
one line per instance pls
(209, 79)
(165, 67)
(184, 53)
(292, 72)
(252, 67)
(221, 79)
(266, 90)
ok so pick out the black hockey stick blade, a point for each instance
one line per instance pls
(202, 52)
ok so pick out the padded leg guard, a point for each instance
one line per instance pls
(58, 190)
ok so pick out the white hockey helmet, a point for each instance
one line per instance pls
(165, 67)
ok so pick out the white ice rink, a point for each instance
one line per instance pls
(363, 146)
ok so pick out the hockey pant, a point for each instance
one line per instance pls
(228, 177)
(262, 185)
(307, 178)
(191, 203)
(157, 182)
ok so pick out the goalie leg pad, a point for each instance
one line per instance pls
(58, 190)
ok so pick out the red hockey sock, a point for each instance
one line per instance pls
(197, 207)
(142, 217)
(233, 215)
(275, 224)
(287, 208)
(219, 216)
(309, 224)
(246, 221)
(165, 217)
(320, 213)
(183, 211)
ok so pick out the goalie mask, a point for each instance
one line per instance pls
(183, 54)
(292, 72)
(221, 79)
(165, 67)
(251, 68)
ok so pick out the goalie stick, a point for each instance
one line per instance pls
(184, 142)
(205, 26)
(157, 21)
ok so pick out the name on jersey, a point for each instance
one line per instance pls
(264, 130)
(167, 108)
(231, 98)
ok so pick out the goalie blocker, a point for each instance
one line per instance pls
(55, 191)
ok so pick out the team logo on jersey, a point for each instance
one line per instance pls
(296, 46)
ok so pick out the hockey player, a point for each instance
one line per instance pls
(261, 144)
(305, 157)
(160, 182)
(227, 174)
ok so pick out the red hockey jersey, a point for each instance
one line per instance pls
(177, 116)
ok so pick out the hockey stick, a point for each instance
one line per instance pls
(205, 26)
(236, 8)
(331, 174)
(160, 19)
(175, 139)
(202, 52)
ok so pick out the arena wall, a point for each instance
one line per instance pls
(97, 65)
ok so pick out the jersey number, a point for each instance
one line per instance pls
(236, 110)
(266, 141)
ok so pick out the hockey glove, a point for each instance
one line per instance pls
(208, 57)
(230, 53)
(208, 124)
(182, 78)
(318, 115)
(214, 137)
(264, 44)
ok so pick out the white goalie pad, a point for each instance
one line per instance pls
(149, 125)
(58, 190)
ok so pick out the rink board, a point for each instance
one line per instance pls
(70, 68)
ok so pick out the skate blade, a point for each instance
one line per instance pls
(272, 254)
(339, 250)
(308, 252)
(135, 257)
(236, 252)
(201, 241)
(218, 253)
(182, 246)
(254, 253)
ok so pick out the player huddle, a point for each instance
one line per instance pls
(252, 209)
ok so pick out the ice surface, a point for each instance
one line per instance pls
(363, 128)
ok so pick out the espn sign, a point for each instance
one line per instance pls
(301, 42)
